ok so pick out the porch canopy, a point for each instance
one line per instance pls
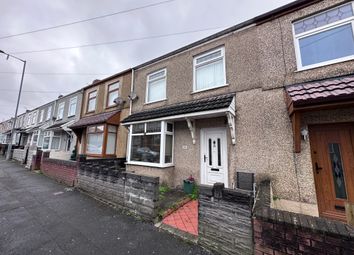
(332, 93)
(221, 105)
(61, 126)
(112, 117)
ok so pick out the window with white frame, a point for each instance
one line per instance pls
(325, 38)
(60, 112)
(41, 117)
(49, 112)
(156, 86)
(34, 118)
(151, 143)
(46, 140)
(209, 70)
(34, 137)
(72, 106)
(112, 94)
(91, 101)
(55, 141)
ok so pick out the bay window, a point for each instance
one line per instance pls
(55, 145)
(46, 140)
(209, 70)
(325, 38)
(151, 143)
(101, 140)
(50, 140)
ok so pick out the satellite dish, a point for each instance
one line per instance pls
(119, 101)
(132, 96)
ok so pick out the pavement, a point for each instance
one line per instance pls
(40, 216)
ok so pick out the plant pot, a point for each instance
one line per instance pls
(188, 186)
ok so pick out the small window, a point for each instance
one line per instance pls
(41, 116)
(156, 86)
(209, 70)
(34, 118)
(111, 140)
(325, 38)
(91, 103)
(60, 113)
(113, 93)
(72, 106)
(49, 112)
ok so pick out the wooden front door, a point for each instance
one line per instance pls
(332, 150)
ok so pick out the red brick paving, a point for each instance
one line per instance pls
(185, 218)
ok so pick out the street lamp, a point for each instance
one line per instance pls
(18, 101)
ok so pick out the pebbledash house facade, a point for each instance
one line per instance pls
(105, 103)
(273, 96)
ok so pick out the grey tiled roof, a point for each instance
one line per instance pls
(95, 119)
(199, 105)
(329, 90)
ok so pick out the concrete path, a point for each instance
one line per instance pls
(40, 216)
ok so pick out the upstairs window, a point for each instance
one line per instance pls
(325, 38)
(34, 118)
(156, 86)
(112, 94)
(60, 113)
(41, 116)
(209, 70)
(91, 102)
(49, 112)
(72, 106)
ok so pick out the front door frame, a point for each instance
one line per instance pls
(203, 170)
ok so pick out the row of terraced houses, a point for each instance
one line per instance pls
(273, 96)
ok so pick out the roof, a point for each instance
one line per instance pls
(95, 119)
(322, 91)
(96, 82)
(199, 105)
(295, 5)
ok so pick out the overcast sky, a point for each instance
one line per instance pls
(176, 16)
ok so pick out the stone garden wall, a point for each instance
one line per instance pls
(108, 181)
(225, 220)
(281, 232)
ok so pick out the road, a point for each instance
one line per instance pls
(40, 216)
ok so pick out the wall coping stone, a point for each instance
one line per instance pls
(60, 162)
(308, 223)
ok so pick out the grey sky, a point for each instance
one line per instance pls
(178, 16)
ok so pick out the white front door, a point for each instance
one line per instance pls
(214, 156)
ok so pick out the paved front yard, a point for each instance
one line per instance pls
(40, 216)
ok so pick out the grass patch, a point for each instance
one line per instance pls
(163, 189)
(195, 193)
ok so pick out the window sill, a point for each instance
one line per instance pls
(323, 64)
(213, 88)
(71, 116)
(153, 165)
(157, 101)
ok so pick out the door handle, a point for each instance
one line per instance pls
(317, 168)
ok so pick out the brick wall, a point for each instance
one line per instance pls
(63, 171)
(136, 193)
(280, 232)
(225, 220)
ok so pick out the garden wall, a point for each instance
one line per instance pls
(280, 232)
(225, 220)
(137, 193)
(64, 171)
(19, 155)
